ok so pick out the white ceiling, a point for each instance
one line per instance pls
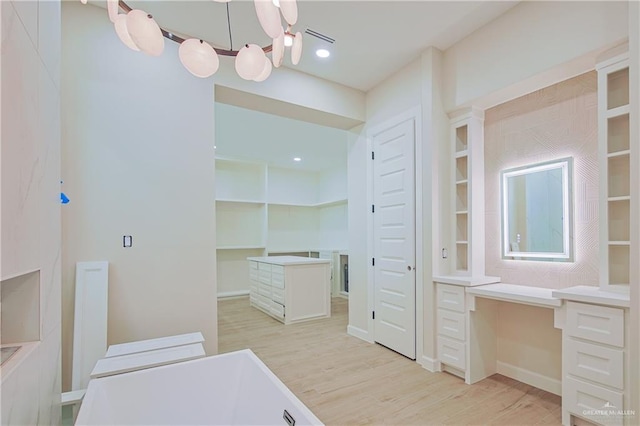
(256, 136)
(374, 39)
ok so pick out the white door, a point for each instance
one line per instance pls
(394, 238)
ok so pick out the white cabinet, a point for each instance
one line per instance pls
(290, 288)
(595, 358)
(452, 321)
(615, 153)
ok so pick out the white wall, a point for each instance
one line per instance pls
(333, 183)
(138, 160)
(634, 80)
(528, 40)
(556, 122)
(395, 96)
(30, 204)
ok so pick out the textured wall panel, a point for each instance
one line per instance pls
(555, 122)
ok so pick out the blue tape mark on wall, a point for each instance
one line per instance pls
(63, 197)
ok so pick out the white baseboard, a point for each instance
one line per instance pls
(430, 364)
(228, 294)
(529, 377)
(359, 333)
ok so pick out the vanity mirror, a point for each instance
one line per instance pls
(537, 219)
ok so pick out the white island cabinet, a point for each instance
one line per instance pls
(291, 288)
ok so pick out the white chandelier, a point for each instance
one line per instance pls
(139, 31)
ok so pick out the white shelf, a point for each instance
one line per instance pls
(240, 248)
(316, 205)
(619, 243)
(621, 198)
(528, 295)
(462, 211)
(238, 201)
(331, 203)
(619, 153)
(460, 154)
(462, 182)
(462, 242)
(617, 112)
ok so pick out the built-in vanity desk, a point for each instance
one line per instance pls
(290, 288)
(594, 356)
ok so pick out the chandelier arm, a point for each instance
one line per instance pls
(177, 39)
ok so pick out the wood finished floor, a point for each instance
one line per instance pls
(346, 381)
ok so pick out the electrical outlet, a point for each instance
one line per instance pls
(445, 253)
(127, 241)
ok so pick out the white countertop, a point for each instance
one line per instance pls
(288, 260)
(591, 294)
(465, 281)
(518, 293)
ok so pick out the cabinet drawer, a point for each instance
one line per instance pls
(277, 295)
(594, 362)
(277, 280)
(277, 269)
(253, 274)
(592, 401)
(452, 353)
(253, 286)
(276, 309)
(264, 302)
(253, 265)
(596, 323)
(264, 277)
(264, 290)
(451, 324)
(451, 297)
(264, 266)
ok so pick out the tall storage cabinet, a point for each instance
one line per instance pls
(456, 346)
(467, 134)
(615, 165)
(595, 322)
(262, 210)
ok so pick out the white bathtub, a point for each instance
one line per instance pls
(229, 389)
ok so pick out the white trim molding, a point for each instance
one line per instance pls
(233, 294)
(430, 364)
(529, 377)
(359, 333)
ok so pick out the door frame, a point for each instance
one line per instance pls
(414, 114)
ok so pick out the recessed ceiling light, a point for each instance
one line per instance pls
(276, 3)
(297, 159)
(322, 53)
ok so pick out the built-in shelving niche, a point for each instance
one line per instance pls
(20, 317)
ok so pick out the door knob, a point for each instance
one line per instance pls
(409, 267)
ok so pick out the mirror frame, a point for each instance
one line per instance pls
(566, 165)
